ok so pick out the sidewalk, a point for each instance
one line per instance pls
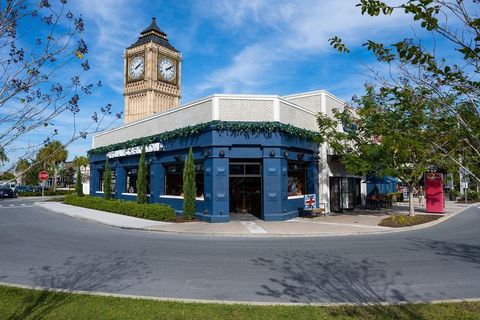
(349, 223)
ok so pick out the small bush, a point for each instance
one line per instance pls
(46, 193)
(154, 211)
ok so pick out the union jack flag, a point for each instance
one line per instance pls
(310, 201)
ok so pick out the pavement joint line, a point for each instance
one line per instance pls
(234, 302)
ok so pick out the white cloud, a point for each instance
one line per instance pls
(293, 30)
(109, 27)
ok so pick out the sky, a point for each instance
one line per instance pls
(276, 47)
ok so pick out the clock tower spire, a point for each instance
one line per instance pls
(152, 75)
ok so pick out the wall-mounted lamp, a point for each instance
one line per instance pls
(206, 152)
(285, 154)
(300, 155)
(177, 157)
(221, 153)
(272, 153)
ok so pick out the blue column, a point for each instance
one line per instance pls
(216, 193)
(274, 184)
(312, 178)
(94, 179)
(120, 181)
(157, 181)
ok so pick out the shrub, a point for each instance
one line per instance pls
(155, 211)
(189, 188)
(142, 179)
(107, 181)
(398, 221)
(79, 184)
(46, 193)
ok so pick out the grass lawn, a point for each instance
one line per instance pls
(18, 303)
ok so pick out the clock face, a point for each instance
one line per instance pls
(166, 69)
(137, 66)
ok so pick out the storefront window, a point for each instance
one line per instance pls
(112, 181)
(174, 179)
(132, 177)
(297, 173)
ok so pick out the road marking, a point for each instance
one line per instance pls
(15, 207)
(253, 227)
(23, 204)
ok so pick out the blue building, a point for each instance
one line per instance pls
(253, 153)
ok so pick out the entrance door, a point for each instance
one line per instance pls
(343, 193)
(246, 188)
(335, 194)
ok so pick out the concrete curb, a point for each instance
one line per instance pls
(235, 302)
(267, 235)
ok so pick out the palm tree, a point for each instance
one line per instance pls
(80, 162)
(53, 155)
(22, 166)
(3, 156)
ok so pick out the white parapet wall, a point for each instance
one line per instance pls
(299, 111)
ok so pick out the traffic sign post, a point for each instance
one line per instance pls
(42, 176)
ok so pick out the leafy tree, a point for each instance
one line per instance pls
(79, 184)
(189, 188)
(68, 175)
(43, 60)
(107, 181)
(142, 179)
(52, 156)
(389, 136)
(22, 166)
(7, 176)
(31, 175)
(453, 87)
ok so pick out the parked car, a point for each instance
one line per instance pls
(7, 192)
(20, 189)
(11, 185)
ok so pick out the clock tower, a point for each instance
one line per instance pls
(152, 75)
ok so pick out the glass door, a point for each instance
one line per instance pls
(246, 188)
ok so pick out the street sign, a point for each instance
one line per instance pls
(43, 175)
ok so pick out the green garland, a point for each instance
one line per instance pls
(236, 128)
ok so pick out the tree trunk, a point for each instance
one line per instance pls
(411, 208)
(54, 188)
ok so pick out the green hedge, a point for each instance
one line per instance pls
(46, 193)
(155, 211)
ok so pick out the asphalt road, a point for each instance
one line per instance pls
(46, 249)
